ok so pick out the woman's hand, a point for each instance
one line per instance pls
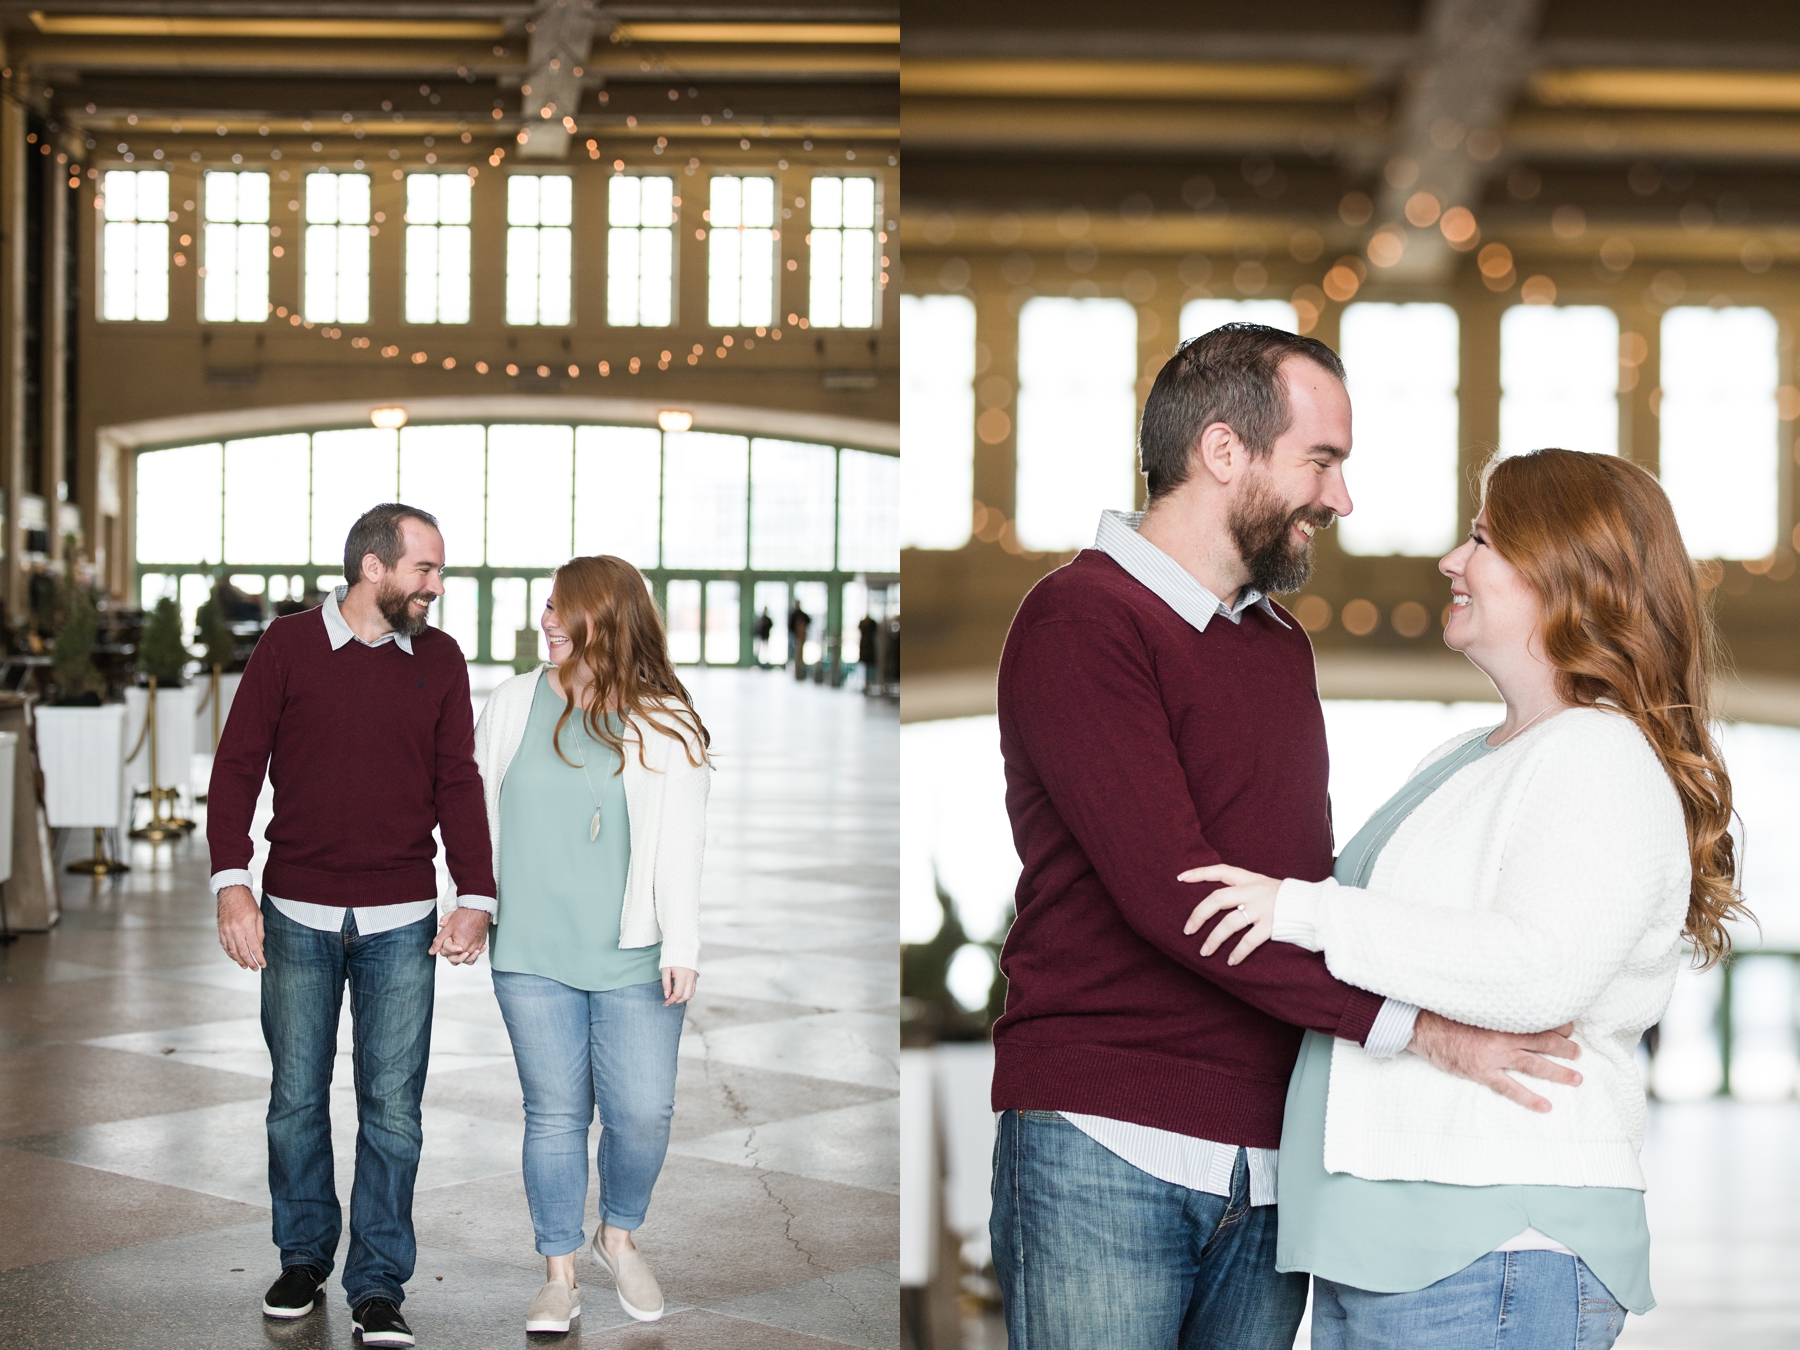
(1250, 899)
(678, 984)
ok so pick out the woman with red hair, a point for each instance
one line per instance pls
(1541, 873)
(596, 774)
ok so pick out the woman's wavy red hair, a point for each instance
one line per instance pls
(1623, 620)
(617, 637)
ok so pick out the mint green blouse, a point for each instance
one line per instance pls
(562, 893)
(1395, 1236)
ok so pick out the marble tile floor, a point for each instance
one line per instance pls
(133, 1082)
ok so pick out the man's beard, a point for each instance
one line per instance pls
(396, 607)
(1262, 528)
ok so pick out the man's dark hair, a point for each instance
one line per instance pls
(377, 531)
(1230, 375)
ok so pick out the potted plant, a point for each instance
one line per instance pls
(79, 683)
(80, 740)
(161, 720)
(213, 631)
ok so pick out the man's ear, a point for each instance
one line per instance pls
(372, 570)
(1218, 453)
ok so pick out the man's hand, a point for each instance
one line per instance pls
(1484, 1057)
(241, 927)
(462, 935)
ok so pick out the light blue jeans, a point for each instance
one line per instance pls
(576, 1050)
(1504, 1301)
(1093, 1254)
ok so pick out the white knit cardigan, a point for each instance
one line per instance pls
(666, 803)
(1544, 883)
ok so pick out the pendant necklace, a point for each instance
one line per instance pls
(594, 824)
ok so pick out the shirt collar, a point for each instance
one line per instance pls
(340, 632)
(1168, 580)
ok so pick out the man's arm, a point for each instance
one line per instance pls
(462, 818)
(1135, 822)
(239, 767)
(1083, 699)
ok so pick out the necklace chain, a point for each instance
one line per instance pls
(1529, 725)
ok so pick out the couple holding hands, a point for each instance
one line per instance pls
(582, 792)
(1330, 1042)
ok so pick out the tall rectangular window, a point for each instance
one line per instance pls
(437, 247)
(937, 419)
(843, 253)
(793, 485)
(530, 495)
(539, 248)
(1077, 418)
(1720, 427)
(640, 251)
(135, 246)
(235, 279)
(180, 504)
(352, 469)
(705, 477)
(446, 467)
(740, 248)
(1559, 378)
(1402, 364)
(868, 518)
(618, 492)
(266, 483)
(337, 247)
(1202, 316)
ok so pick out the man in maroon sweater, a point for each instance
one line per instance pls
(360, 716)
(1159, 712)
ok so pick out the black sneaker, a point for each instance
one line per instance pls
(295, 1294)
(378, 1322)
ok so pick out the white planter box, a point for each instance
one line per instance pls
(82, 753)
(174, 736)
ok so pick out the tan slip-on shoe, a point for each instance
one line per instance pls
(639, 1293)
(555, 1306)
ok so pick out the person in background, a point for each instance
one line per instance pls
(1542, 871)
(868, 649)
(596, 774)
(360, 716)
(1158, 710)
(798, 623)
(765, 627)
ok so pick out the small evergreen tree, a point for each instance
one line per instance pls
(73, 655)
(161, 654)
(213, 631)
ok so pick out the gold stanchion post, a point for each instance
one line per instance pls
(99, 865)
(158, 827)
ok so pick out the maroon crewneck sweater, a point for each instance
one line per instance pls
(1137, 747)
(369, 749)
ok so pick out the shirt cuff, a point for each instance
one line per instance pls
(485, 903)
(1393, 1029)
(1297, 906)
(232, 876)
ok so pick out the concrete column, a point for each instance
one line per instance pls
(996, 388)
(1640, 431)
(55, 353)
(12, 347)
(1478, 391)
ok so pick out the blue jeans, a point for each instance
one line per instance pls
(1093, 1254)
(576, 1050)
(1504, 1301)
(391, 985)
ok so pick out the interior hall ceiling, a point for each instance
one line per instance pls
(1673, 125)
(539, 74)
